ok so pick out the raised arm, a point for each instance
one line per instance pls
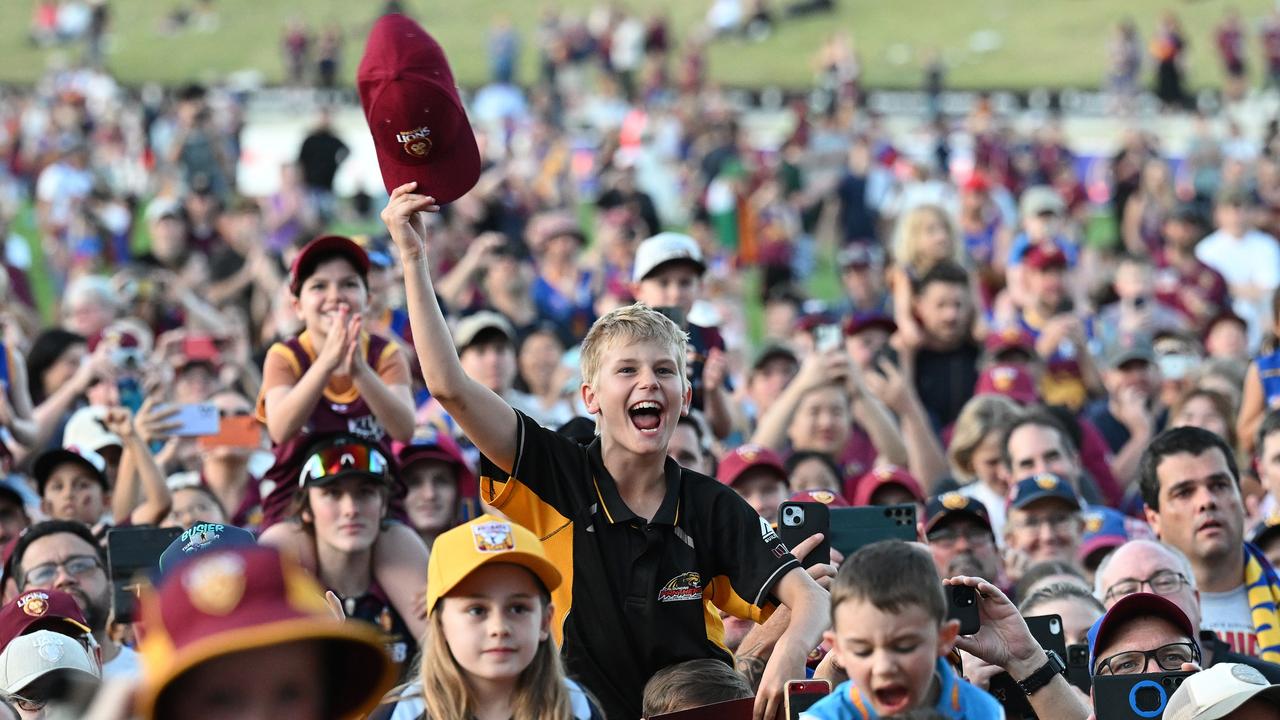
(486, 419)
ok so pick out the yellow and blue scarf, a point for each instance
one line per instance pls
(1263, 586)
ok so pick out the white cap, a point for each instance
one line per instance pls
(663, 248)
(85, 430)
(30, 657)
(1217, 692)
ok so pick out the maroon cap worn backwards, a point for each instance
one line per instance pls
(41, 610)
(419, 127)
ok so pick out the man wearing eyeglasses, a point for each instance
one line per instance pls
(1142, 633)
(958, 529)
(62, 555)
(1149, 566)
(1045, 521)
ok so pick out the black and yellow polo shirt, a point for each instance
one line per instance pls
(637, 595)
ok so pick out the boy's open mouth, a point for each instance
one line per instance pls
(892, 698)
(646, 415)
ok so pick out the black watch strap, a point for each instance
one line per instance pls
(1043, 676)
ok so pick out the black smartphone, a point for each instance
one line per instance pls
(1134, 697)
(133, 553)
(962, 605)
(798, 521)
(1047, 630)
(1078, 667)
(853, 528)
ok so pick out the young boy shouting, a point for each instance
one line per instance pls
(643, 543)
(890, 633)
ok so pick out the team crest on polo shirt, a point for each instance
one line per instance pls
(954, 501)
(493, 537)
(416, 142)
(685, 586)
(35, 604)
(1046, 481)
(215, 584)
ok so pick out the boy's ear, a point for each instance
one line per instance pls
(948, 632)
(686, 402)
(589, 399)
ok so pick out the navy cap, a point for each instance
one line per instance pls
(954, 504)
(1039, 487)
(1265, 530)
(201, 538)
(1129, 607)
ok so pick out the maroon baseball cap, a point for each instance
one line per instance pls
(410, 100)
(431, 444)
(858, 322)
(1130, 607)
(885, 475)
(749, 457)
(1010, 381)
(826, 497)
(41, 610)
(305, 262)
(1010, 338)
(1041, 257)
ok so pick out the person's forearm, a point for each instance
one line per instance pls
(1089, 371)
(885, 436)
(286, 416)
(754, 650)
(1058, 699)
(771, 427)
(25, 431)
(455, 284)
(1124, 466)
(431, 337)
(393, 408)
(925, 459)
(400, 567)
(156, 498)
(203, 314)
(810, 617)
(719, 417)
(124, 496)
(49, 413)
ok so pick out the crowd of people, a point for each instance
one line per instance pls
(525, 454)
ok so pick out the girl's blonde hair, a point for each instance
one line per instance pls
(540, 690)
(981, 416)
(906, 237)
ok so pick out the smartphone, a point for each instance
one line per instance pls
(133, 553)
(200, 348)
(130, 391)
(196, 420)
(802, 694)
(728, 710)
(1047, 630)
(962, 605)
(853, 528)
(1078, 667)
(1134, 697)
(240, 431)
(798, 521)
(827, 338)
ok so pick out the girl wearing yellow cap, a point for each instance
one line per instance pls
(488, 653)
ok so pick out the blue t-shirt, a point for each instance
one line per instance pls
(958, 701)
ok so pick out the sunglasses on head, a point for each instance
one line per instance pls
(334, 460)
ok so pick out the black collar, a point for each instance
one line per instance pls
(615, 509)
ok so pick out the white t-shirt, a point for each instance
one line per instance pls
(1228, 615)
(993, 501)
(1252, 259)
(126, 665)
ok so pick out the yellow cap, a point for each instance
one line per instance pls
(487, 539)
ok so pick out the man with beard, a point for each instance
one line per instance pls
(1191, 487)
(62, 555)
(958, 529)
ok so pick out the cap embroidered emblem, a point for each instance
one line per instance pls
(826, 497)
(34, 604)
(1046, 482)
(1244, 673)
(493, 537)
(417, 142)
(50, 650)
(1093, 523)
(1003, 377)
(748, 452)
(954, 501)
(199, 536)
(215, 584)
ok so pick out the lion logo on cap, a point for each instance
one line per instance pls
(826, 497)
(749, 452)
(492, 537)
(1002, 378)
(954, 501)
(215, 584)
(1046, 482)
(1092, 523)
(416, 142)
(50, 650)
(35, 604)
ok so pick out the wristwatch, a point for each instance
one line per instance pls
(1038, 679)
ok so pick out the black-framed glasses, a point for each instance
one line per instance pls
(1165, 582)
(947, 537)
(27, 704)
(76, 566)
(1169, 657)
